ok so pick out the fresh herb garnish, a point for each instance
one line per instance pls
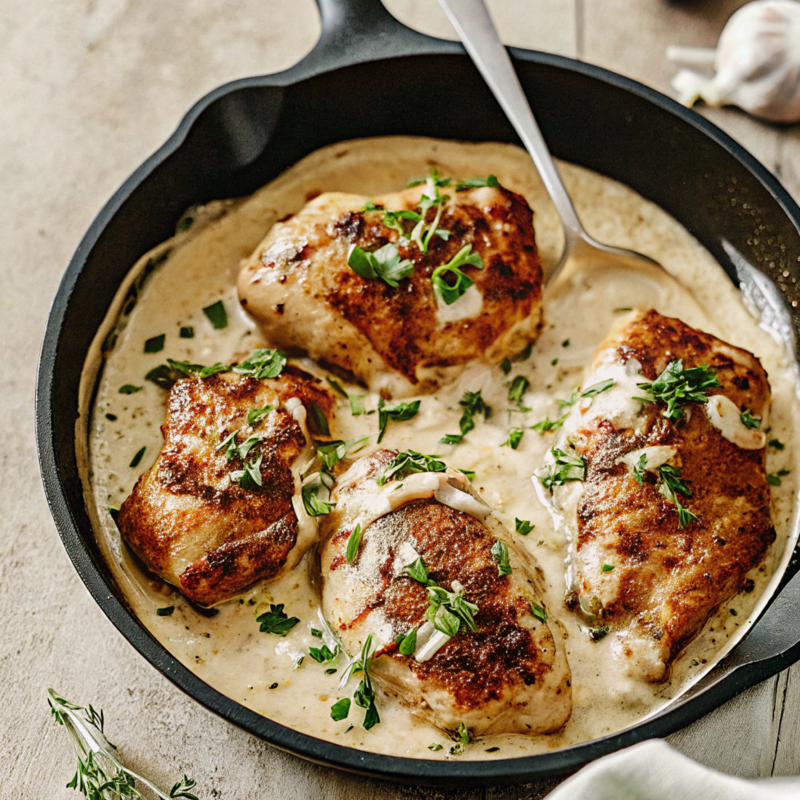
(749, 421)
(565, 468)
(514, 438)
(671, 486)
(676, 386)
(435, 747)
(409, 462)
(324, 655)
(383, 263)
(166, 611)
(255, 415)
(332, 453)
(100, 775)
(518, 388)
(340, 709)
(554, 362)
(419, 572)
(337, 386)
(522, 526)
(474, 405)
(599, 632)
(538, 612)
(639, 468)
(500, 555)
(395, 220)
(276, 621)
(364, 695)
(316, 494)
(547, 424)
(434, 176)
(138, 457)
(400, 413)
(317, 421)
(217, 315)
(774, 478)
(505, 365)
(129, 389)
(477, 183)
(462, 740)
(607, 568)
(597, 388)
(186, 332)
(408, 644)
(167, 375)
(444, 291)
(564, 406)
(262, 363)
(777, 444)
(353, 542)
(156, 344)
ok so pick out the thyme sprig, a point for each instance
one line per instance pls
(100, 775)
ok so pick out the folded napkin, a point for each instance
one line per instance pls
(654, 771)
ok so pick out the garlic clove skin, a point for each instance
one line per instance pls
(757, 63)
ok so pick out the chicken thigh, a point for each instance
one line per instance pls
(220, 507)
(464, 639)
(388, 324)
(658, 480)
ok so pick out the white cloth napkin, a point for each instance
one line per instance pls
(654, 771)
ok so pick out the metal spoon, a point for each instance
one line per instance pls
(474, 26)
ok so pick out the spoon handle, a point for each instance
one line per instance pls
(474, 26)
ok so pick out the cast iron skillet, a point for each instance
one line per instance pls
(370, 76)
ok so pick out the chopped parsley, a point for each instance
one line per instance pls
(356, 400)
(514, 438)
(166, 611)
(409, 462)
(424, 231)
(538, 612)
(316, 494)
(317, 421)
(340, 709)
(564, 469)
(384, 263)
(400, 413)
(607, 567)
(262, 363)
(478, 183)
(129, 389)
(255, 415)
(500, 555)
(324, 655)
(749, 421)
(138, 457)
(677, 386)
(156, 344)
(777, 444)
(474, 405)
(186, 332)
(276, 621)
(332, 453)
(671, 486)
(353, 542)
(447, 293)
(522, 526)
(167, 375)
(639, 468)
(518, 388)
(774, 478)
(217, 315)
(505, 365)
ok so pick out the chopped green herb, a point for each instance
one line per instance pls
(774, 478)
(400, 413)
(409, 462)
(477, 183)
(353, 542)
(749, 421)
(554, 362)
(599, 632)
(111, 417)
(538, 612)
(364, 695)
(114, 512)
(167, 611)
(395, 220)
(156, 344)
(383, 263)
(217, 315)
(597, 388)
(167, 375)
(316, 495)
(408, 644)
(129, 389)
(500, 555)
(331, 671)
(418, 571)
(262, 363)
(777, 444)
(547, 424)
(522, 526)
(518, 388)
(671, 486)
(187, 332)
(317, 421)
(448, 610)
(138, 457)
(337, 386)
(444, 291)
(435, 747)
(324, 655)
(514, 438)
(462, 738)
(676, 386)
(564, 469)
(525, 353)
(473, 405)
(255, 415)
(434, 176)
(505, 365)
(357, 404)
(332, 453)
(340, 709)
(316, 633)
(276, 621)
(607, 567)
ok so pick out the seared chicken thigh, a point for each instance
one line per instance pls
(658, 478)
(431, 557)
(396, 333)
(220, 509)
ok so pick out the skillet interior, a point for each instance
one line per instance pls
(243, 135)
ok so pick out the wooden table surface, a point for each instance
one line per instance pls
(88, 89)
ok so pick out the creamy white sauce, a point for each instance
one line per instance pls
(258, 670)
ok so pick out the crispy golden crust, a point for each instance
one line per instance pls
(303, 265)
(187, 520)
(670, 578)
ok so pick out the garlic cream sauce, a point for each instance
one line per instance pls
(199, 266)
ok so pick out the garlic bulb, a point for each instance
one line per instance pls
(756, 63)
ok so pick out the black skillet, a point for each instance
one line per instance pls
(371, 76)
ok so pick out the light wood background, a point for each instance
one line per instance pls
(88, 89)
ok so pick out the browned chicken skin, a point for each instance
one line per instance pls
(663, 578)
(300, 289)
(510, 674)
(187, 517)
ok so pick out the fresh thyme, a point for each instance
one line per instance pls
(364, 695)
(473, 405)
(400, 413)
(276, 621)
(677, 386)
(138, 457)
(564, 469)
(447, 293)
(100, 775)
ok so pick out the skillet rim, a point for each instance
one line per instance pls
(397, 768)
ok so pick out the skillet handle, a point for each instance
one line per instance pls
(354, 31)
